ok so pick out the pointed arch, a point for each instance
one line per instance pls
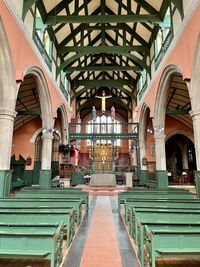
(161, 96)
(143, 125)
(63, 123)
(44, 95)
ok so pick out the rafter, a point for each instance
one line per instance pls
(103, 68)
(52, 20)
(79, 55)
(100, 83)
(105, 49)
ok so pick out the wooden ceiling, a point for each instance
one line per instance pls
(103, 44)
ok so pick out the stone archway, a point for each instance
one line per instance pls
(47, 123)
(44, 95)
(64, 126)
(7, 110)
(144, 117)
(159, 123)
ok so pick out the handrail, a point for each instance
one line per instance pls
(42, 50)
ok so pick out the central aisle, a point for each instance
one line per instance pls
(101, 248)
(102, 240)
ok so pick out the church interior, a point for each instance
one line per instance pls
(100, 133)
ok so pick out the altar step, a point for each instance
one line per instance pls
(103, 190)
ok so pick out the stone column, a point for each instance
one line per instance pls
(6, 126)
(161, 172)
(45, 172)
(185, 157)
(143, 171)
(196, 128)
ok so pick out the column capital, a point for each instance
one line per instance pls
(47, 136)
(7, 112)
(194, 113)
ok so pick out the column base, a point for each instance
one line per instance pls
(143, 177)
(162, 179)
(197, 182)
(45, 179)
(5, 182)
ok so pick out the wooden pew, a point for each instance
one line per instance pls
(171, 239)
(149, 215)
(41, 215)
(122, 196)
(32, 241)
(83, 196)
(44, 203)
(37, 188)
(130, 203)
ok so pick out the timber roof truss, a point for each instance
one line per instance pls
(103, 43)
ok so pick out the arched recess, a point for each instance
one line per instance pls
(7, 110)
(143, 125)
(161, 96)
(44, 95)
(160, 114)
(144, 122)
(34, 109)
(63, 121)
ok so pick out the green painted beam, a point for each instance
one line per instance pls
(103, 68)
(100, 83)
(96, 136)
(179, 6)
(153, 18)
(146, 6)
(104, 49)
(79, 55)
(177, 112)
(26, 6)
(35, 112)
(80, 92)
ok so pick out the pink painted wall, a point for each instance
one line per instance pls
(24, 57)
(21, 141)
(182, 55)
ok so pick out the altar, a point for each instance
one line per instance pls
(103, 179)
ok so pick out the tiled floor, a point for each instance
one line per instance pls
(102, 240)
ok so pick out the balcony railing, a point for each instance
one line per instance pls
(62, 87)
(42, 50)
(101, 131)
(163, 49)
(144, 87)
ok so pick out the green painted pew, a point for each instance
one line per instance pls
(41, 215)
(32, 241)
(173, 239)
(82, 195)
(44, 203)
(37, 188)
(130, 203)
(161, 215)
(122, 196)
(157, 190)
